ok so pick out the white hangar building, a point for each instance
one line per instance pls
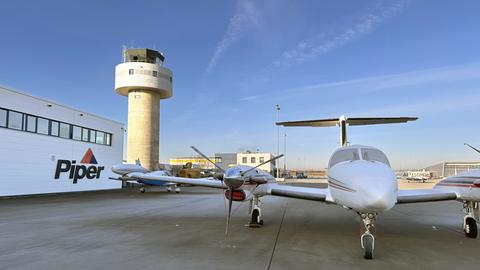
(49, 148)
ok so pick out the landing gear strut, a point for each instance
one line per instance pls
(367, 239)
(255, 213)
(177, 189)
(472, 215)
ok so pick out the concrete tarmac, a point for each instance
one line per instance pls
(158, 230)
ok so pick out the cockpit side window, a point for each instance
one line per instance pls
(344, 155)
(374, 155)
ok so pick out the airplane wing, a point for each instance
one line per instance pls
(305, 193)
(425, 195)
(205, 182)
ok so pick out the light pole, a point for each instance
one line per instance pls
(277, 109)
(285, 154)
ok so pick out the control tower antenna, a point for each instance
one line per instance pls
(143, 79)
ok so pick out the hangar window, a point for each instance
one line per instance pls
(31, 123)
(262, 159)
(244, 160)
(54, 130)
(100, 137)
(3, 118)
(85, 134)
(130, 71)
(108, 139)
(15, 120)
(65, 130)
(252, 159)
(92, 136)
(155, 73)
(42, 126)
(35, 124)
(77, 133)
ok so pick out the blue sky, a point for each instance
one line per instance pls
(234, 60)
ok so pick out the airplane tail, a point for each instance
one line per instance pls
(343, 121)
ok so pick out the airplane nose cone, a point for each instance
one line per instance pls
(379, 199)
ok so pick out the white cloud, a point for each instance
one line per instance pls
(324, 43)
(394, 81)
(245, 17)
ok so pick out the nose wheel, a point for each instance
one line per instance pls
(255, 213)
(367, 239)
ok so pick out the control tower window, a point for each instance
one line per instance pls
(130, 72)
(15, 120)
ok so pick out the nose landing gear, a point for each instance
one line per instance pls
(367, 239)
(255, 213)
(472, 216)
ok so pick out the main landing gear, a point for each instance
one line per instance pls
(142, 190)
(177, 189)
(255, 213)
(367, 239)
(472, 216)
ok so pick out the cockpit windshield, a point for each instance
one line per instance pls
(374, 155)
(344, 155)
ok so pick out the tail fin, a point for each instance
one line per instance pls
(343, 121)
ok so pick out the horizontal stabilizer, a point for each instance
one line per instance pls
(351, 121)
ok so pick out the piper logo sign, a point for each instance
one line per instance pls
(77, 172)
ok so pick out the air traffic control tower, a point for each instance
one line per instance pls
(145, 81)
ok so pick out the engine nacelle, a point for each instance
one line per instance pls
(238, 195)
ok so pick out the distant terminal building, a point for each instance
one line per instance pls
(256, 158)
(49, 148)
(197, 162)
(227, 160)
(449, 168)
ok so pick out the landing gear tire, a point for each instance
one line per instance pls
(470, 228)
(367, 239)
(254, 223)
(177, 190)
(169, 189)
(367, 242)
(142, 190)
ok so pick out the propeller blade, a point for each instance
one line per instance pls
(205, 157)
(263, 163)
(475, 149)
(230, 201)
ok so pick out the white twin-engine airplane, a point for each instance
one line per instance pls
(359, 179)
(124, 169)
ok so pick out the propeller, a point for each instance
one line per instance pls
(233, 182)
(475, 149)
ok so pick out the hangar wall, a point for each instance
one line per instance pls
(40, 140)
